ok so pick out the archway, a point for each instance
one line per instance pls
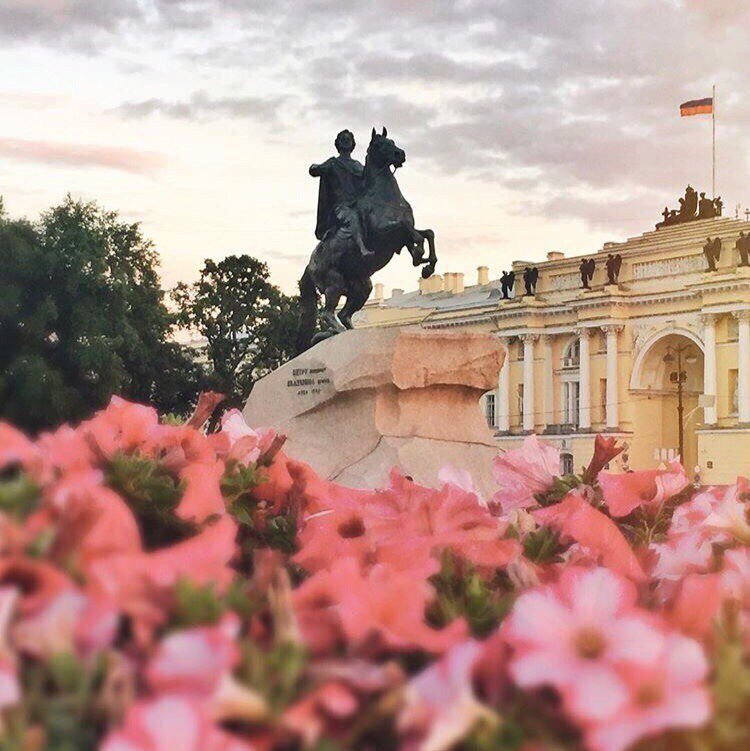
(654, 381)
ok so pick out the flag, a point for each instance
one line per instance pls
(697, 107)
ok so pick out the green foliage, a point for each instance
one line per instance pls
(560, 488)
(19, 495)
(60, 707)
(461, 591)
(153, 495)
(729, 729)
(276, 672)
(493, 736)
(196, 605)
(542, 545)
(248, 323)
(82, 316)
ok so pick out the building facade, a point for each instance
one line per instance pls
(613, 358)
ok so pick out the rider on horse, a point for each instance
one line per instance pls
(341, 179)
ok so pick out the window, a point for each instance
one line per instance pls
(603, 398)
(566, 464)
(520, 402)
(489, 410)
(572, 354)
(571, 394)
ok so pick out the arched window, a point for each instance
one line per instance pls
(566, 464)
(572, 354)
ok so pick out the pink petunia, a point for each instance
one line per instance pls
(681, 555)
(69, 623)
(525, 472)
(624, 492)
(198, 663)
(246, 445)
(122, 426)
(320, 711)
(574, 635)
(383, 604)
(10, 688)
(171, 723)
(668, 694)
(440, 705)
(576, 518)
(729, 516)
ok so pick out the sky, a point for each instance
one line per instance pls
(529, 126)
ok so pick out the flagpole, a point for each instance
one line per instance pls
(713, 135)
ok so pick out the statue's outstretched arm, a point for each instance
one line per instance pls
(318, 170)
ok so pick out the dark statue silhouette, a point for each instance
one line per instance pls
(691, 208)
(530, 278)
(613, 266)
(743, 246)
(712, 251)
(507, 281)
(361, 225)
(587, 268)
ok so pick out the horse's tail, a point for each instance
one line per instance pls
(308, 313)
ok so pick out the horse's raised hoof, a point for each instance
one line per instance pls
(428, 271)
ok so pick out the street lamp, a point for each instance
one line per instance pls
(679, 377)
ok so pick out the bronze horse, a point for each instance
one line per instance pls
(338, 269)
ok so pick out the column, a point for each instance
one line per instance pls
(709, 366)
(584, 376)
(613, 417)
(528, 381)
(549, 394)
(503, 393)
(743, 366)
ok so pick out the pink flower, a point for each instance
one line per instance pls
(461, 479)
(384, 604)
(670, 693)
(324, 706)
(198, 663)
(525, 472)
(681, 555)
(202, 497)
(576, 518)
(606, 449)
(208, 401)
(246, 445)
(729, 516)
(10, 688)
(624, 492)
(574, 635)
(122, 426)
(70, 623)
(690, 516)
(697, 604)
(440, 705)
(170, 723)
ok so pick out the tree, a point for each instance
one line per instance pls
(82, 316)
(248, 323)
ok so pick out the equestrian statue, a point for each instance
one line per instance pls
(362, 221)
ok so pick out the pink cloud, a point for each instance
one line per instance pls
(81, 155)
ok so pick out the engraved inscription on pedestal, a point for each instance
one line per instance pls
(311, 380)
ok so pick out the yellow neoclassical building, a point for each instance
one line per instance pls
(613, 358)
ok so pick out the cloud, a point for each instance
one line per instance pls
(202, 106)
(56, 21)
(555, 101)
(81, 155)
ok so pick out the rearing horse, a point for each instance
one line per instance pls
(337, 268)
